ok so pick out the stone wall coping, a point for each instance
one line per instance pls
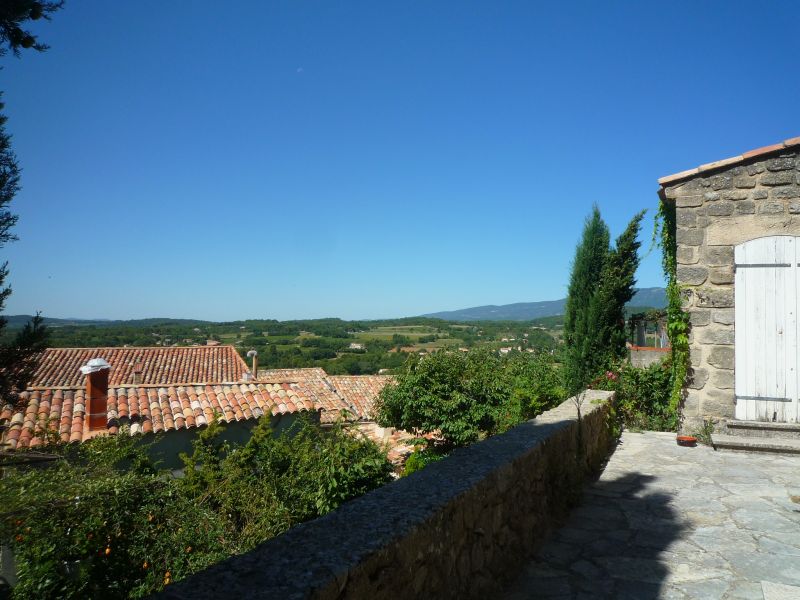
(727, 162)
(316, 555)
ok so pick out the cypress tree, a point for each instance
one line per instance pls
(587, 266)
(606, 340)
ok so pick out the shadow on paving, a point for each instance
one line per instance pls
(609, 546)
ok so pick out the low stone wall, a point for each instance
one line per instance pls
(643, 356)
(460, 528)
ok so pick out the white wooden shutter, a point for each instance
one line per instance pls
(766, 329)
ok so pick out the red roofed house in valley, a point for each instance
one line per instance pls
(737, 230)
(79, 393)
(350, 398)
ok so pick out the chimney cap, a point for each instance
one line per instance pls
(94, 365)
(252, 353)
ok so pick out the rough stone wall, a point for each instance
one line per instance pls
(715, 211)
(644, 357)
(460, 528)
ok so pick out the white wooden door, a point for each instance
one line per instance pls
(766, 376)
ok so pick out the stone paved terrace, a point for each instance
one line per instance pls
(669, 522)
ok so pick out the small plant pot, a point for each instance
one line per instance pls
(686, 440)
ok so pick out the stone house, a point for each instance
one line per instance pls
(737, 230)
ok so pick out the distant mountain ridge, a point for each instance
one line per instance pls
(18, 321)
(654, 297)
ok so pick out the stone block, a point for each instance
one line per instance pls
(689, 237)
(742, 228)
(746, 207)
(744, 182)
(788, 192)
(721, 209)
(691, 405)
(725, 316)
(783, 163)
(697, 378)
(723, 181)
(717, 403)
(717, 334)
(718, 256)
(794, 208)
(721, 275)
(692, 275)
(687, 255)
(755, 169)
(695, 356)
(685, 217)
(724, 380)
(771, 208)
(711, 196)
(760, 194)
(735, 195)
(700, 317)
(689, 201)
(779, 178)
(714, 298)
(721, 357)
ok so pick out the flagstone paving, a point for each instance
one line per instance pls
(664, 521)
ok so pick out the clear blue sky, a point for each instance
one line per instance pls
(365, 159)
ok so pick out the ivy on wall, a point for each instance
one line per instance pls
(677, 318)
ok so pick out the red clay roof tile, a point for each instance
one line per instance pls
(168, 404)
(60, 367)
(719, 164)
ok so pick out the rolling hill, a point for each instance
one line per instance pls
(525, 311)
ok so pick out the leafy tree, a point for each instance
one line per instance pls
(536, 382)
(590, 258)
(456, 395)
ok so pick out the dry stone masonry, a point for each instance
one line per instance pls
(460, 528)
(719, 206)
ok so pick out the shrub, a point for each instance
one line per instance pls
(642, 395)
(421, 458)
(462, 397)
(537, 384)
(103, 522)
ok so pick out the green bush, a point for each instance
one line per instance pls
(421, 458)
(102, 522)
(642, 395)
(537, 384)
(463, 396)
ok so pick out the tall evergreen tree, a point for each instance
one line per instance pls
(606, 341)
(18, 358)
(590, 257)
(13, 16)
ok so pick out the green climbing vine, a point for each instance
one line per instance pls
(677, 318)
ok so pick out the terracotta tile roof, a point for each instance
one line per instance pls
(180, 388)
(355, 394)
(726, 162)
(60, 412)
(59, 367)
(360, 391)
(317, 380)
